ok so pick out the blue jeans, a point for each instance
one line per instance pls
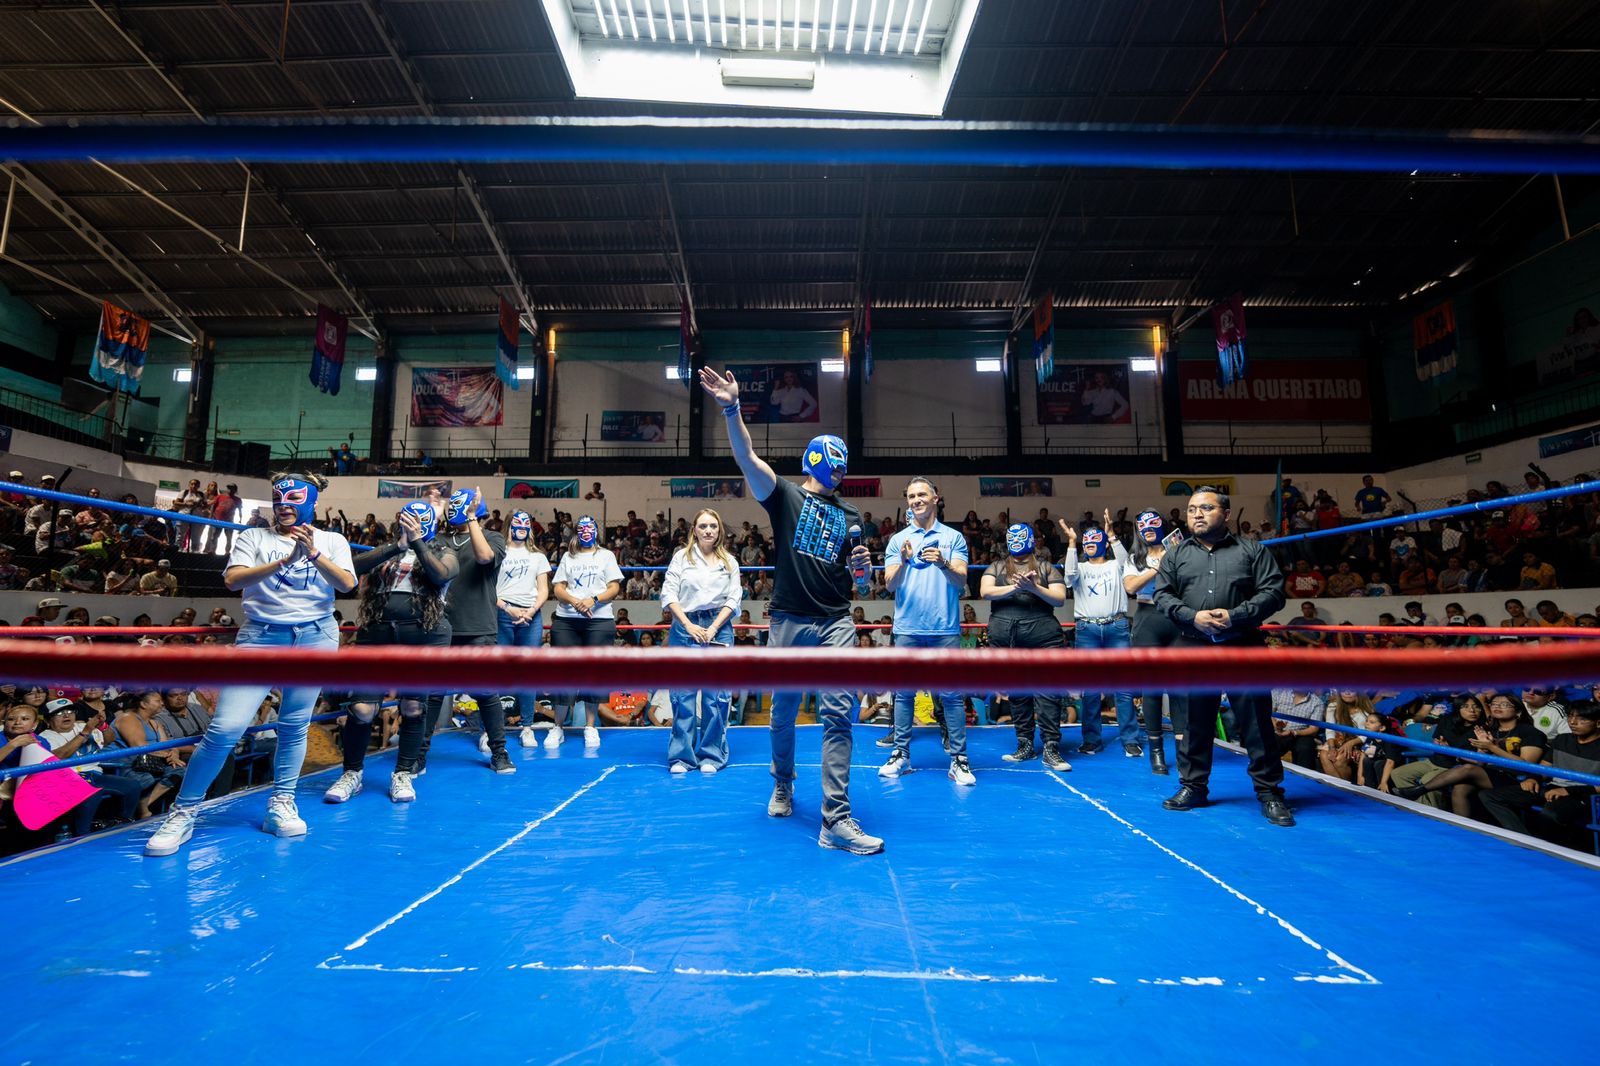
(711, 744)
(955, 710)
(1106, 635)
(238, 704)
(833, 709)
(530, 635)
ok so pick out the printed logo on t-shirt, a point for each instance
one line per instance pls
(512, 571)
(820, 530)
(1098, 584)
(298, 577)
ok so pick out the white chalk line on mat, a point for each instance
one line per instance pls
(1353, 975)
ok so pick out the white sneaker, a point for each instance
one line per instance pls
(175, 830)
(591, 739)
(283, 818)
(899, 763)
(401, 790)
(348, 785)
(678, 768)
(961, 772)
(708, 767)
(529, 738)
(483, 743)
(553, 739)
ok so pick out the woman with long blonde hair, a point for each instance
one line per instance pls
(1339, 750)
(702, 593)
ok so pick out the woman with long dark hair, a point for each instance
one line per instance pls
(402, 602)
(586, 581)
(1151, 628)
(1510, 733)
(1024, 593)
(702, 593)
(287, 575)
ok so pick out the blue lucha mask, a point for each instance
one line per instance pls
(521, 527)
(301, 495)
(1152, 527)
(1019, 540)
(1094, 543)
(826, 459)
(456, 512)
(588, 531)
(425, 515)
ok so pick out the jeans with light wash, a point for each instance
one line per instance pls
(706, 740)
(833, 710)
(1113, 634)
(529, 635)
(955, 709)
(238, 704)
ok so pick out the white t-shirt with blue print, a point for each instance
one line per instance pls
(296, 593)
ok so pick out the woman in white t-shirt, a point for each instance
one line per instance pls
(587, 580)
(1100, 620)
(702, 593)
(520, 590)
(287, 574)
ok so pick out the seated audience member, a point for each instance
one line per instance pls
(1339, 751)
(1509, 734)
(1297, 741)
(1346, 582)
(1454, 730)
(1308, 617)
(161, 772)
(1304, 582)
(1551, 616)
(68, 738)
(1516, 616)
(159, 581)
(1546, 709)
(1535, 573)
(1554, 809)
(1378, 759)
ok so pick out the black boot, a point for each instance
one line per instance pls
(1023, 753)
(1158, 758)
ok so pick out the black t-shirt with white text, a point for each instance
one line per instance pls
(811, 540)
(470, 601)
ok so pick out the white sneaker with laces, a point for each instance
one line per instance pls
(401, 790)
(899, 763)
(591, 738)
(483, 743)
(847, 835)
(348, 785)
(175, 830)
(283, 818)
(961, 772)
(552, 739)
(529, 738)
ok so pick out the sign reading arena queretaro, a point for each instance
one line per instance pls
(1278, 390)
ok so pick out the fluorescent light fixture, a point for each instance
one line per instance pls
(183, 374)
(526, 373)
(366, 373)
(789, 73)
(850, 30)
(650, 18)
(831, 366)
(1142, 365)
(672, 372)
(986, 366)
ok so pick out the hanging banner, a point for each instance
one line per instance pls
(861, 487)
(685, 347)
(866, 342)
(1084, 394)
(1227, 319)
(1044, 338)
(556, 489)
(640, 427)
(506, 342)
(456, 396)
(706, 488)
(1185, 486)
(410, 490)
(120, 349)
(777, 392)
(1279, 390)
(1433, 335)
(1574, 440)
(1016, 486)
(1577, 355)
(327, 351)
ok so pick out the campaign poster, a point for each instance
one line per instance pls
(410, 490)
(861, 487)
(518, 488)
(1573, 440)
(707, 488)
(635, 427)
(1085, 394)
(777, 392)
(1016, 486)
(456, 396)
(1185, 486)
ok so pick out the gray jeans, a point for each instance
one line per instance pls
(833, 709)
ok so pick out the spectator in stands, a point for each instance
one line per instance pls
(761, 586)
(1516, 616)
(345, 461)
(1378, 586)
(1509, 734)
(1338, 753)
(1415, 579)
(224, 508)
(12, 576)
(160, 772)
(1309, 616)
(1451, 578)
(1371, 500)
(1345, 582)
(1297, 741)
(1536, 574)
(77, 616)
(1547, 712)
(1416, 616)
(1551, 616)
(158, 581)
(1555, 809)
(1305, 582)
(48, 610)
(595, 493)
(190, 501)
(80, 576)
(68, 738)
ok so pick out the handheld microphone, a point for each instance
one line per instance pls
(860, 573)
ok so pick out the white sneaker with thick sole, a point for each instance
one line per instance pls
(899, 763)
(175, 830)
(847, 835)
(529, 738)
(553, 739)
(591, 739)
(678, 768)
(708, 768)
(283, 818)
(483, 743)
(961, 772)
(401, 790)
(348, 785)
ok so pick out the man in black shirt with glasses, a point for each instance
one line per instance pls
(1217, 588)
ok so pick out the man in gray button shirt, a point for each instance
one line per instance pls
(1215, 588)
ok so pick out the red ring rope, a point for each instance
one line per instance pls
(1170, 669)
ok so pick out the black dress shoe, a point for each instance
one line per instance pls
(1185, 799)
(1158, 760)
(1276, 811)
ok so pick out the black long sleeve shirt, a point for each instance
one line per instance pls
(1238, 576)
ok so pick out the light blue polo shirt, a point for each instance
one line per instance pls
(927, 604)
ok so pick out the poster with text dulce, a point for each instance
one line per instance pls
(777, 392)
(1085, 394)
(456, 396)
